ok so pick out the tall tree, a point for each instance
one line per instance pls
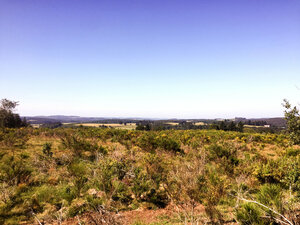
(293, 122)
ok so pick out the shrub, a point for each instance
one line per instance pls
(14, 137)
(150, 141)
(268, 172)
(225, 155)
(271, 195)
(169, 144)
(292, 151)
(47, 149)
(248, 214)
(79, 146)
(79, 171)
(14, 170)
(147, 141)
(108, 171)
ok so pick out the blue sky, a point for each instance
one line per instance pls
(150, 58)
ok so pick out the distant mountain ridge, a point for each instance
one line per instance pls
(78, 119)
(61, 119)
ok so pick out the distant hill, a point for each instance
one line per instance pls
(61, 119)
(79, 119)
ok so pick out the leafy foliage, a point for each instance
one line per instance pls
(293, 122)
(7, 117)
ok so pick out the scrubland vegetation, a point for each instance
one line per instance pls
(90, 175)
(204, 176)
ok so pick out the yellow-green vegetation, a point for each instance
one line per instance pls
(208, 176)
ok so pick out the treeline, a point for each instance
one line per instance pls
(228, 125)
(225, 125)
(8, 118)
(162, 125)
(255, 122)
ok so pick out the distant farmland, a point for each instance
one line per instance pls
(128, 126)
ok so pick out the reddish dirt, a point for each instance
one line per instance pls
(125, 218)
(145, 215)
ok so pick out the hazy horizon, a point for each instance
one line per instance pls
(151, 118)
(150, 59)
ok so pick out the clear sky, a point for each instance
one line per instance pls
(150, 58)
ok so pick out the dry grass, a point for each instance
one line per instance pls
(172, 123)
(36, 125)
(251, 126)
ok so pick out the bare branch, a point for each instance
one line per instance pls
(277, 213)
(78, 220)
(36, 218)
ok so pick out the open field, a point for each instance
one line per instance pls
(175, 124)
(36, 125)
(172, 123)
(127, 126)
(253, 126)
(171, 176)
(199, 123)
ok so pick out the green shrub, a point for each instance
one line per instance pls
(150, 141)
(121, 192)
(292, 151)
(108, 171)
(14, 138)
(271, 195)
(14, 170)
(79, 171)
(147, 141)
(168, 143)
(291, 171)
(224, 154)
(66, 192)
(47, 149)
(249, 214)
(268, 172)
(79, 146)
